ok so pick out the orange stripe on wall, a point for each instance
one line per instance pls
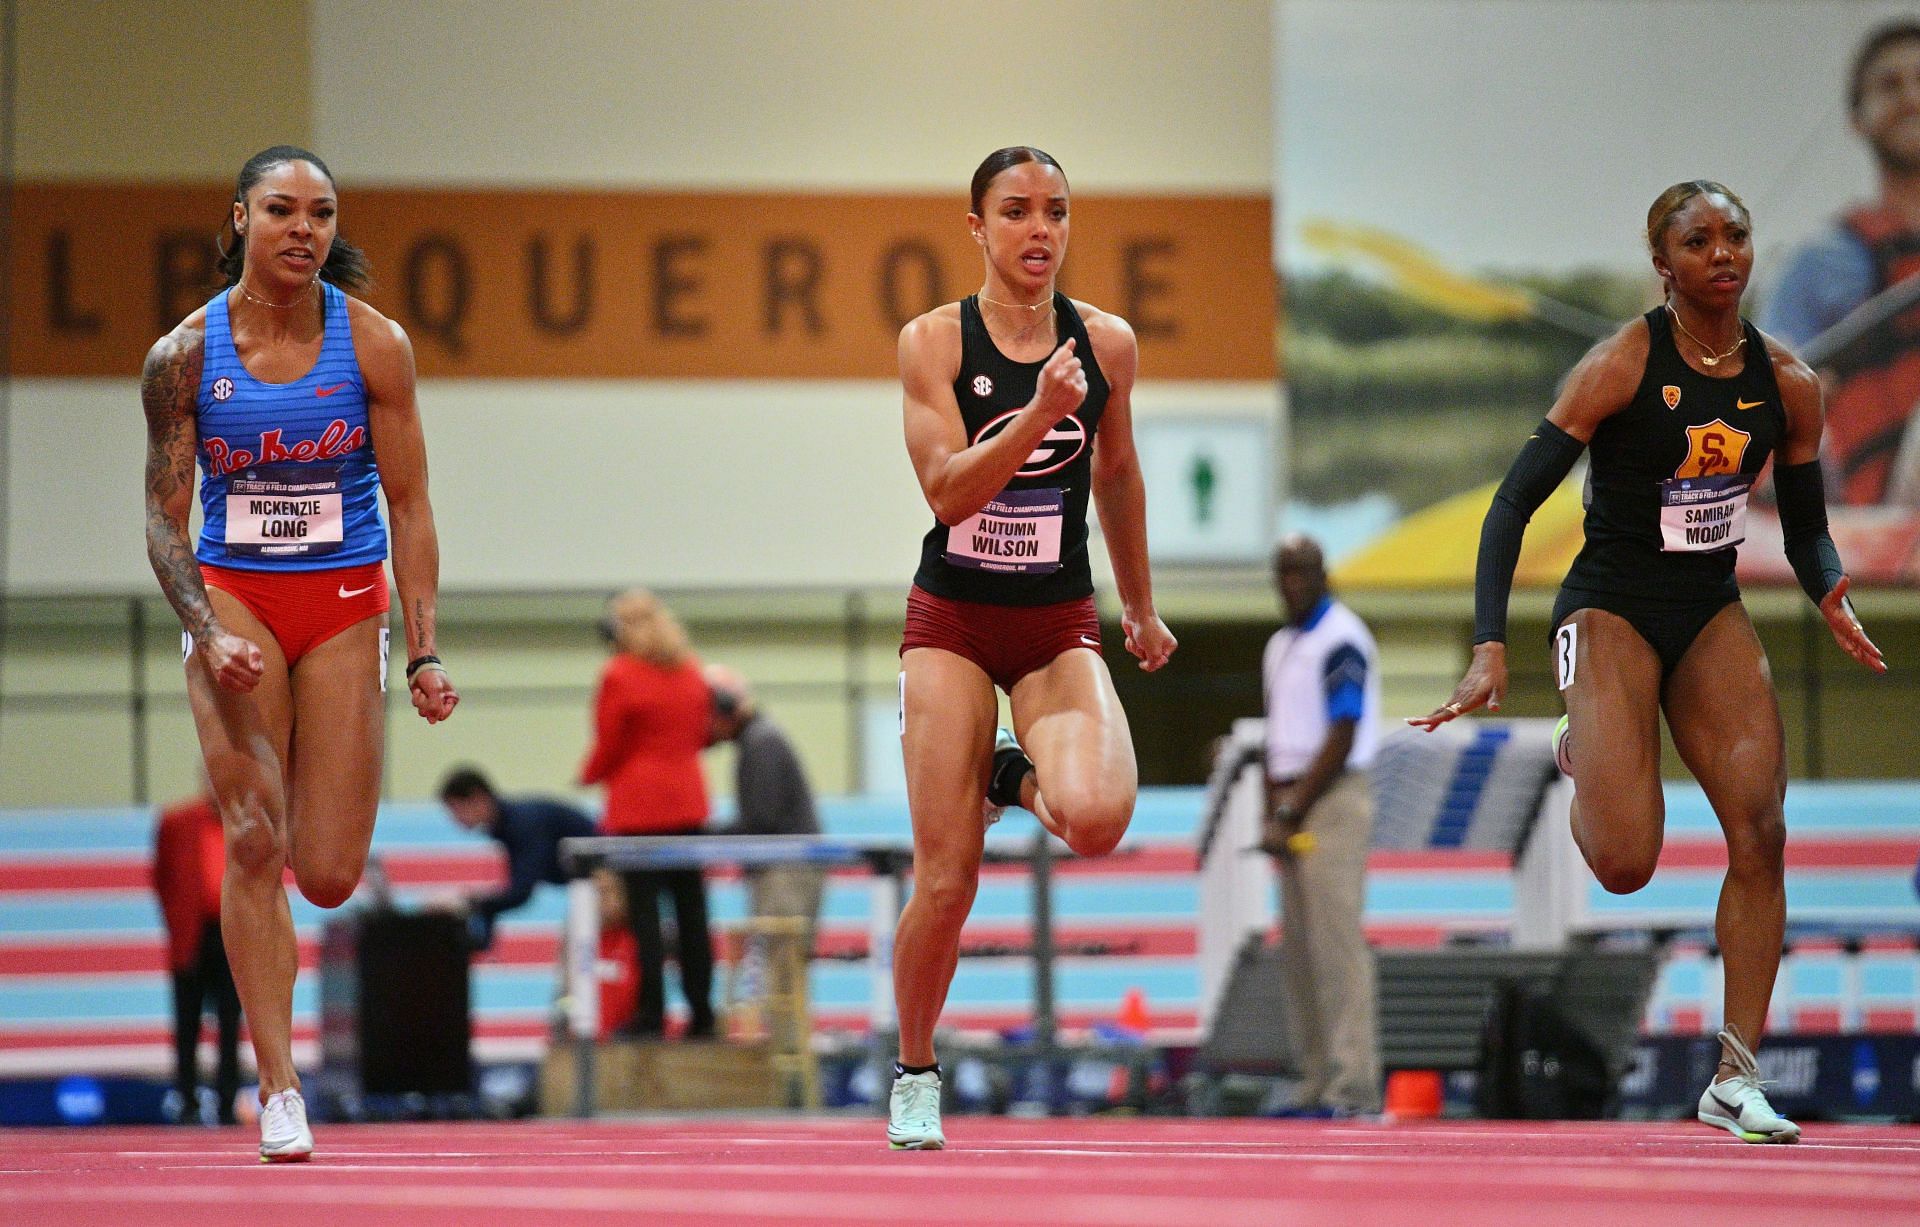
(587, 284)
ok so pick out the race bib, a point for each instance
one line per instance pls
(1017, 533)
(284, 510)
(1698, 514)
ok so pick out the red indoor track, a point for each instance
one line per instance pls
(999, 1173)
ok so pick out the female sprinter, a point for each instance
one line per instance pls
(1018, 407)
(298, 402)
(1681, 408)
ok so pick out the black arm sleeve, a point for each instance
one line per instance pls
(1537, 471)
(1802, 493)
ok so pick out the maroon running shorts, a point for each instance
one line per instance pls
(1006, 641)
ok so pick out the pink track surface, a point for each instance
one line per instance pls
(998, 1173)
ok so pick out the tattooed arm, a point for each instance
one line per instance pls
(168, 385)
(400, 447)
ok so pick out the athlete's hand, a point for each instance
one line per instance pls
(1148, 638)
(1062, 385)
(1847, 631)
(433, 694)
(235, 662)
(1485, 685)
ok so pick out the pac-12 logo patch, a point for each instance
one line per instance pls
(222, 388)
(982, 386)
(1063, 444)
(1671, 395)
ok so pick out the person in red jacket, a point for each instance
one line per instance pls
(189, 859)
(651, 721)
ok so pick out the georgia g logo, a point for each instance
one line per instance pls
(222, 388)
(1060, 448)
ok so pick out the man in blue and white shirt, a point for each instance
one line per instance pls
(1322, 685)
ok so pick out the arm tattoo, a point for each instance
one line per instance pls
(168, 387)
(422, 626)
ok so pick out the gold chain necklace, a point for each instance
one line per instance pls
(1707, 356)
(1017, 306)
(298, 299)
(1033, 325)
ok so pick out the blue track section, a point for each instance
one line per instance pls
(1470, 772)
(1161, 897)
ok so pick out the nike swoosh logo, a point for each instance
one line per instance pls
(1747, 404)
(1092, 643)
(344, 594)
(1732, 1109)
(328, 391)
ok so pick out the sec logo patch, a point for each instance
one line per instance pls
(222, 388)
(982, 386)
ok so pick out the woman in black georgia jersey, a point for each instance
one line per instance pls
(1681, 409)
(1018, 411)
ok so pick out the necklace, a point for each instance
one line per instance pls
(1033, 325)
(1017, 306)
(1707, 356)
(299, 298)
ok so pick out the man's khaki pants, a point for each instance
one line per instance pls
(1328, 965)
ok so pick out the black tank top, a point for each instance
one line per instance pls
(1667, 490)
(1028, 545)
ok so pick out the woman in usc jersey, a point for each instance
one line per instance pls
(298, 402)
(1681, 409)
(1018, 405)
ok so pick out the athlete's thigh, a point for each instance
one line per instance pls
(1069, 721)
(1613, 717)
(1725, 717)
(339, 717)
(244, 738)
(948, 710)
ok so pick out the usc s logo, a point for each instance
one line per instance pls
(1713, 449)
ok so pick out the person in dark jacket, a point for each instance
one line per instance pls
(529, 830)
(772, 797)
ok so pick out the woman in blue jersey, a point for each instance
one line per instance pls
(1018, 410)
(1680, 409)
(298, 403)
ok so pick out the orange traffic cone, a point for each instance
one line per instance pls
(1414, 1094)
(1133, 1011)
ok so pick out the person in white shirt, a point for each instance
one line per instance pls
(1322, 688)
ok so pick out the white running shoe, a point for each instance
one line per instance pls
(1739, 1105)
(1562, 753)
(284, 1136)
(913, 1113)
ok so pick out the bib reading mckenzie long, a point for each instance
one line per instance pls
(276, 511)
(1017, 532)
(1698, 514)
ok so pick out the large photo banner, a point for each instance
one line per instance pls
(1460, 215)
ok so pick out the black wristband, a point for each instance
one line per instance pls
(420, 662)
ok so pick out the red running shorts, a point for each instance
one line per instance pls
(304, 609)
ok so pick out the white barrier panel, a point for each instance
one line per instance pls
(1236, 887)
(1473, 785)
